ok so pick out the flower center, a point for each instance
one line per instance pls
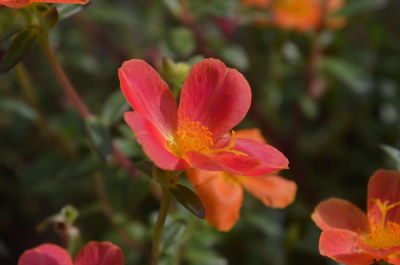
(193, 136)
(295, 7)
(384, 233)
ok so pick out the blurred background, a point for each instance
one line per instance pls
(325, 79)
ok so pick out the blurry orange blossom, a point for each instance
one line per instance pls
(21, 3)
(299, 15)
(222, 193)
(351, 237)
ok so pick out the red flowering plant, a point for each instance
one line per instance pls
(222, 193)
(213, 100)
(94, 253)
(352, 237)
(22, 3)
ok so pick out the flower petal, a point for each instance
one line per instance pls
(385, 186)
(221, 199)
(269, 158)
(153, 142)
(47, 254)
(149, 95)
(251, 134)
(14, 3)
(338, 213)
(233, 164)
(100, 253)
(273, 191)
(344, 247)
(216, 96)
(394, 260)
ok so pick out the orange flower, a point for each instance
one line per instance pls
(222, 193)
(351, 237)
(300, 15)
(21, 3)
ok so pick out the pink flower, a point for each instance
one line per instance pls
(21, 3)
(94, 253)
(352, 237)
(222, 193)
(213, 100)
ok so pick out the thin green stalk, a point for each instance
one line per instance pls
(159, 226)
(80, 105)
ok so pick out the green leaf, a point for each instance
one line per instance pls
(100, 137)
(114, 108)
(393, 153)
(235, 55)
(9, 32)
(188, 199)
(181, 41)
(345, 71)
(174, 6)
(353, 8)
(18, 47)
(18, 107)
(173, 234)
(66, 10)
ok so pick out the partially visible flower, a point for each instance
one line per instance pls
(213, 100)
(351, 237)
(221, 193)
(21, 3)
(94, 253)
(299, 15)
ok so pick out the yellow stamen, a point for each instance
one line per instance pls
(384, 233)
(229, 147)
(193, 136)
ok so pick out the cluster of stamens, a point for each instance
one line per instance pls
(193, 136)
(384, 233)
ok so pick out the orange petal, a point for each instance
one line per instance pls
(344, 247)
(14, 3)
(251, 134)
(273, 191)
(394, 260)
(221, 199)
(385, 186)
(338, 213)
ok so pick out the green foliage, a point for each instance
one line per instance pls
(188, 199)
(335, 133)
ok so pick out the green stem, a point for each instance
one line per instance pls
(80, 105)
(158, 229)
